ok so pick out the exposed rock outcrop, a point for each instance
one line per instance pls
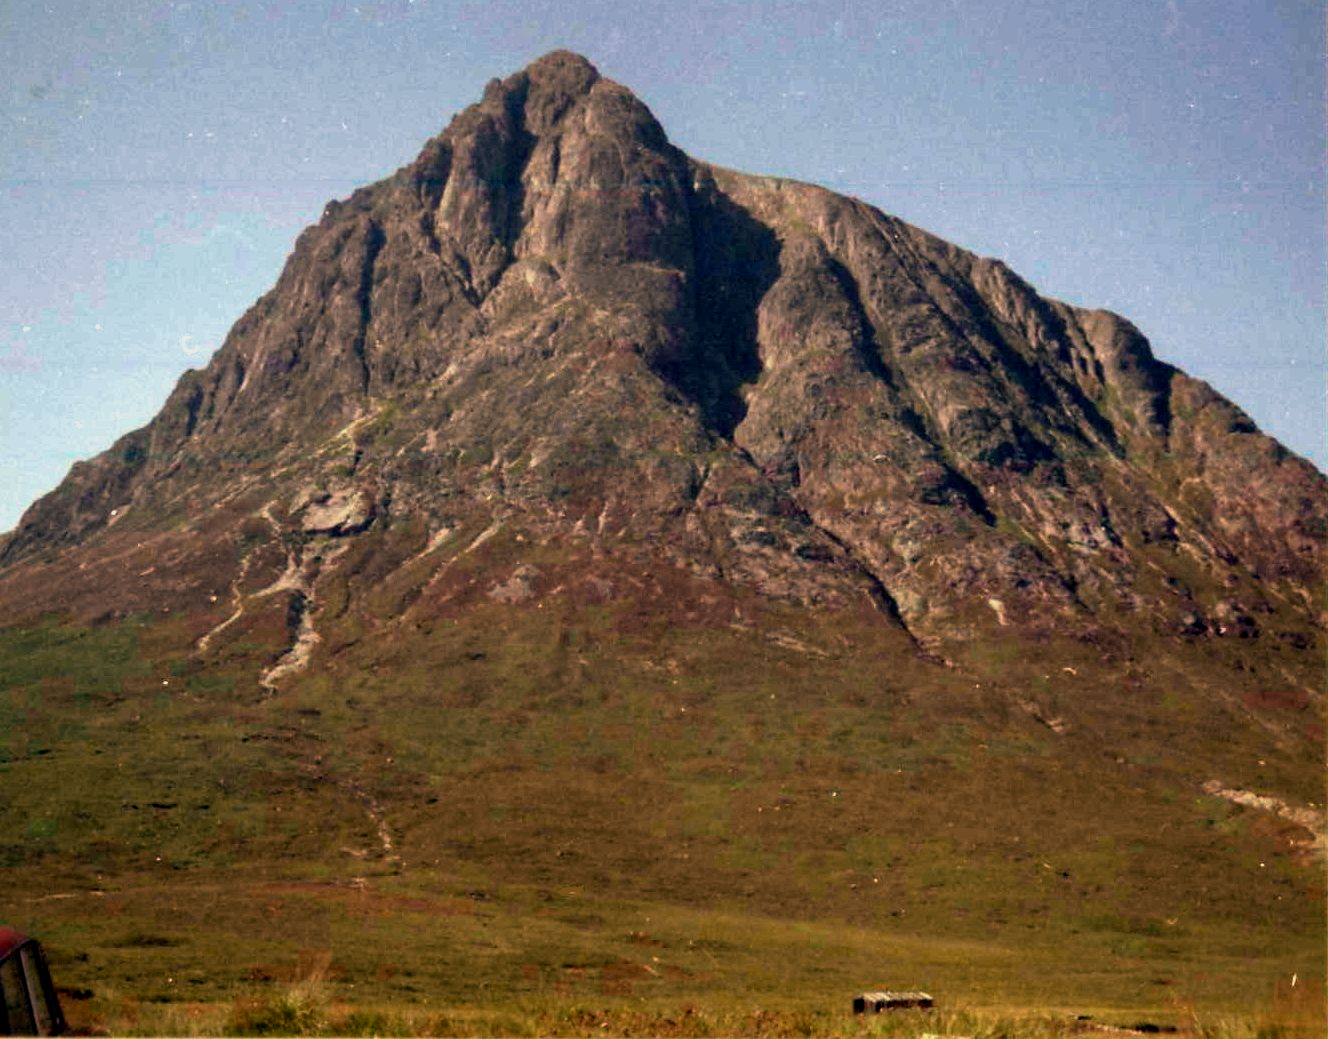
(553, 315)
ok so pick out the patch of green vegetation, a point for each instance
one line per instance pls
(92, 660)
(521, 817)
(286, 1014)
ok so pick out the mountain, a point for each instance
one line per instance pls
(552, 311)
(558, 434)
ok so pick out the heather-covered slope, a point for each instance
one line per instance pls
(570, 507)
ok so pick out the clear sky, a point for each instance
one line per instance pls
(1160, 158)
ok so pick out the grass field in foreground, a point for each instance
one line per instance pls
(418, 954)
(553, 822)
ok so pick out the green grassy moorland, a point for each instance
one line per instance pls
(570, 818)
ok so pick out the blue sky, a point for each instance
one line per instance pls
(1161, 159)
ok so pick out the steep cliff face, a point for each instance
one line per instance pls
(554, 319)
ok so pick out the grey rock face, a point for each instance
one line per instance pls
(554, 314)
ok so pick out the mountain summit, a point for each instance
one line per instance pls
(554, 318)
(580, 535)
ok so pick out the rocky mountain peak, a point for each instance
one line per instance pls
(578, 525)
(544, 89)
(554, 317)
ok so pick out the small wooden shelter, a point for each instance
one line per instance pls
(875, 1002)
